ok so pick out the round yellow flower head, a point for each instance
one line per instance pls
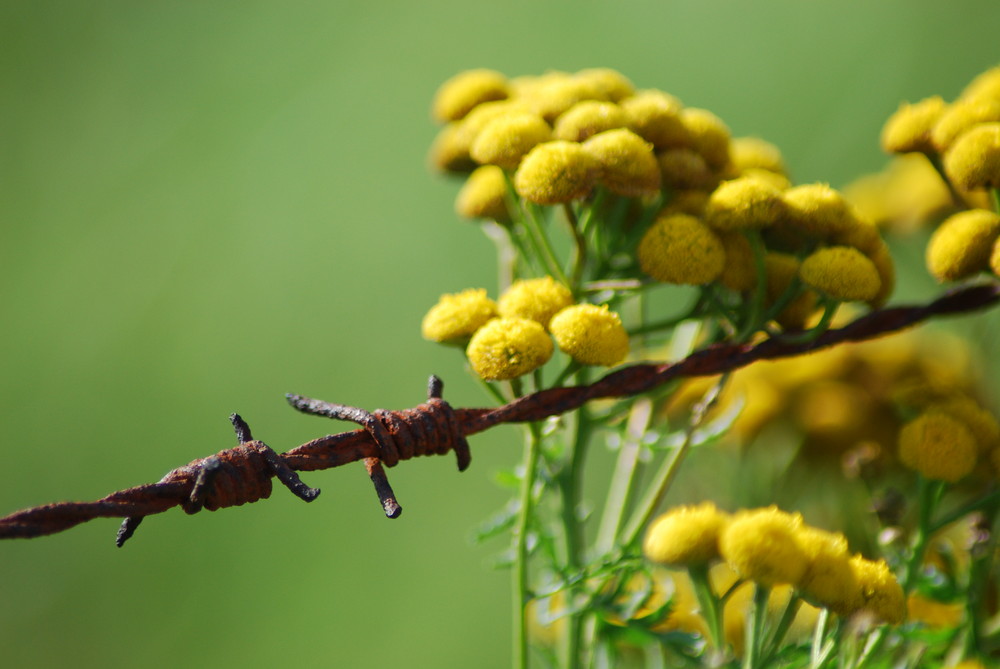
(829, 580)
(684, 169)
(557, 94)
(881, 594)
(456, 316)
(588, 118)
(457, 96)
(506, 139)
(995, 258)
(609, 84)
(818, 210)
(760, 545)
(981, 424)
(685, 535)
(842, 272)
(469, 127)
(973, 161)
(681, 249)
(961, 116)
(909, 128)
(744, 203)
(747, 153)
(886, 268)
(938, 446)
(656, 117)
(448, 153)
(739, 273)
(709, 135)
(985, 86)
(590, 334)
(782, 269)
(628, 166)
(484, 195)
(555, 172)
(961, 245)
(535, 299)
(506, 348)
(691, 202)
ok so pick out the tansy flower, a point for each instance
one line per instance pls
(681, 249)
(457, 96)
(747, 153)
(973, 161)
(555, 172)
(984, 86)
(685, 535)
(961, 116)
(656, 117)
(690, 202)
(557, 94)
(456, 316)
(938, 446)
(818, 210)
(841, 272)
(484, 195)
(886, 269)
(469, 127)
(739, 272)
(684, 169)
(962, 244)
(709, 135)
(627, 164)
(448, 153)
(978, 421)
(536, 299)
(506, 348)
(760, 545)
(590, 334)
(909, 128)
(828, 580)
(608, 83)
(744, 203)
(881, 593)
(782, 270)
(504, 140)
(588, 118)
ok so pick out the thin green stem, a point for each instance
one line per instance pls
(830, 307)
(521, 553)
(754, 320)
(710, 604)
(781, 629)
(624, 477)
(753, 645)
(995, 198)
(579, 260)
(818, 651)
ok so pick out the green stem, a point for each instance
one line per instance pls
(784, 623)
(755, 627)
(830, 307)
(521, 592)
(624, 477)
(819, 652)
(579, 260)
(754, 320)
(711, 606)
(995, 197)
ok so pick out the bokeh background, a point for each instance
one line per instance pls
(204, 205)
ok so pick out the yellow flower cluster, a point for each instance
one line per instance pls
(514, 335)
(772, 547)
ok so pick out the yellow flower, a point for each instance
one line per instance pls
(506, 348)
(886, 269)
(881, 593)
(981, 424)
(934, 614)
(656, 117)
(457, 96)
(779, 181)
(484, 195)
(747, 153)
(962, 244)
(760, 545)
(609, 84)
(628, 166)
(782, 269)
(448, 153)
(553, 95)
(961, 116)
(973, 161)
(504, 140)
(984, 86)
(590, 334)
(744, 203)
(691, 202)
(535, 299)
(829, 580)
(709, 135)
(683, 169)
(685, 535)
(938, 446)
(588, 118)
(555, 172)
(739, 272)
(681, 249)
(909, 128)
(456, 316)
(841, 272)
(818, 210)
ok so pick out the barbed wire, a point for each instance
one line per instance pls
(243, 474)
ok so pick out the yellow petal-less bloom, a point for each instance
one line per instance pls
(556, 172)
(973, 160)
(842, 272)
(961, 245)
(685, 535)
(909, 128)
(456, 316)
(980, 422)
(681, 249)
(709, 135)
(782, 270)
(685, 169)
(743, 204)
(985, 85)
(506, 139)
(590, 334)
(457, 96)
(448, 153)
(881, 593)
(739, 273)
(747, 153)
(961, 116)
(818, 210)
(469, 127)
(506, 348)
(608, 83)
(691, 202)
(938, 446)
(556, 94)
(627, 164)
(656, 117)
(484, 195)
(535, 299)
(829, 580)
(587, 118)
(760, 545)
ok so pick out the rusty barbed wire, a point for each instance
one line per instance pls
(243, 474)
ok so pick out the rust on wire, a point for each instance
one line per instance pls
(242, 474)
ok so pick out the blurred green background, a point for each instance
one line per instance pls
(205, 205)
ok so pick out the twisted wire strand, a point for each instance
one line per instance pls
(243, 474)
